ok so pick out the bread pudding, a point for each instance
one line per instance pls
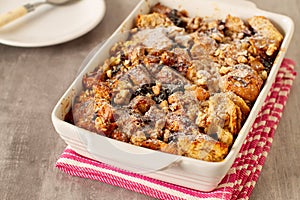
(181, 85)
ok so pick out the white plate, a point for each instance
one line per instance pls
(50, 25)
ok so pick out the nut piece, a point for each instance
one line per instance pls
(201, 94)
(118, 135)
(156, 88)
(235, 24)
(141, 104)
(153, 20)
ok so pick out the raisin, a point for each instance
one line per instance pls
(69, 117)
(161, 97)
(123, 56)
(181, 67)
(165, 92)
(173, 137)
(267, 62)
(116, 69)
(175, 18)
(144, 90)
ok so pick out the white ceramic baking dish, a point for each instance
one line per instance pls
(184, 171)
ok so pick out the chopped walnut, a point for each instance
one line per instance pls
(153, 20)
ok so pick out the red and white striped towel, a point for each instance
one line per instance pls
(241, 178)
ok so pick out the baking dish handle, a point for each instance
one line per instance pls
(126, 156)
(243, 3)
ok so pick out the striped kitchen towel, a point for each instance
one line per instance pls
(240, 179)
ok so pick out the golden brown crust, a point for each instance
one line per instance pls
(263, 26)
(207, 150)
(243, 81)
(272, 37)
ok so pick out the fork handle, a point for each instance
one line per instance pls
(15, 14)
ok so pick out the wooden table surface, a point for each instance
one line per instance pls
(33, 79)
